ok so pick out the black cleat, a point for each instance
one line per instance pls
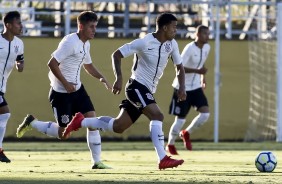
(3, 157)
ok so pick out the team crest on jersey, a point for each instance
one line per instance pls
(16, 49)
(167, 47)
(65, 119)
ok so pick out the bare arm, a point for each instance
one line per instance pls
(54, 67)
(93, 71)
(202, 70)
(180, 73)
(116, 64)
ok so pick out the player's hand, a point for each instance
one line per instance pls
(20, 66)
(70, 87)
(181, 93)
(117, 86)
(203, 70)
(106, 83)
(204, 83)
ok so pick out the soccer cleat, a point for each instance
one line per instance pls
(168, 162)
(25, 125)
(171, 149)
(3, 157)
(74, 125)
(185, 136)
(100, 165)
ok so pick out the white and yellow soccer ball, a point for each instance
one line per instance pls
(266, 161)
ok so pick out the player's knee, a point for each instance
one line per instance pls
(204, 117)
(158, 116)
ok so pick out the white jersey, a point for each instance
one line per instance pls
(193, 57)
(151, 57)
(71, 54)
(10, 52)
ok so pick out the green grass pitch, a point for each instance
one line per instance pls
(135, 162)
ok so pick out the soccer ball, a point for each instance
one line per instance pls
(266, 161)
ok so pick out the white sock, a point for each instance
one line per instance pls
(102, 123)
(49, 128)
(197, 122)
(157, 137)
(3, 123)
(175, 129)
(94, 144)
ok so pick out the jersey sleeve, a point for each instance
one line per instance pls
(176, 58)
(186, 54)
(64, 50)
(133, 47)
(88, 59)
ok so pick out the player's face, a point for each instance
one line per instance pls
(88, 30)
(170, 30)
(15, 27)
(203, 36)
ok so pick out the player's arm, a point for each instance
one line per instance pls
(202, 70)
(93, 71)
(180, 73)
(116, 64)
(53, 65)
(20, 63)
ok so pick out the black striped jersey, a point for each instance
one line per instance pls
(193, 57)
(71, 54)
(150, 59)
(10, 52)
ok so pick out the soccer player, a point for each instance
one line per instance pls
(67, 94)
(194, 56)
(151, 55)
(11, 53)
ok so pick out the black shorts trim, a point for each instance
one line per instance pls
(195, 98)
(65, 105)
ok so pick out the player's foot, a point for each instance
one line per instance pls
(100, 165)
(168, 162)
(3, 157)
(25, 125)
(171, 149)
(185, 136)
(74, 125)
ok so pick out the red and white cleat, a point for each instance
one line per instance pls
(74, 125)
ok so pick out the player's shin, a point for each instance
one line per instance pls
(94, 145)
(175, 129)
(3, 123)
(198, 121)
(157, 137)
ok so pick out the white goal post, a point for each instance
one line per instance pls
(279, 72)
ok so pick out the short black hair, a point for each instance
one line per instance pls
(165, 19)
(10, 16)
(200, 28)
(87, 16)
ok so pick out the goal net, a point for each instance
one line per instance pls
(263, 75)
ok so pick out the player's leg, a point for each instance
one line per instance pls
(82, 103)
(201, 103)
(153, 112)
(4, 117)
(199, 100)
(179, 110)
(62, 112)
